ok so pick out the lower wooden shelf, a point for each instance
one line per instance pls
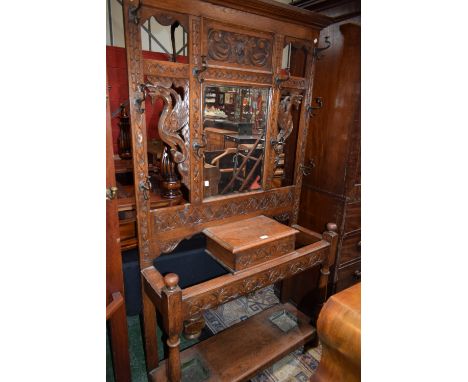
(241, 351)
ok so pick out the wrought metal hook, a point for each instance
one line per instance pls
(133, 11)
(307, 170)
(318, 50)
(280, 78)
(140, 97)
(198, 71)
(198, 146)
(310, 108)
(145, 186)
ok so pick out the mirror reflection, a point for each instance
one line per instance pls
(234, 126)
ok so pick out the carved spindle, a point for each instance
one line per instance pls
(170, 180)
(194, 326)
(331, 236)
(172, 320)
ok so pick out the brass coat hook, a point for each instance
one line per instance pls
(145, 186)
(307, 170)
(310, 108)
(198, 146)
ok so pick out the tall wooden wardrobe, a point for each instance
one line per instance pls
(332, 190)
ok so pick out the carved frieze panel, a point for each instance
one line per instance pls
(171, 218)
(295, 83)
(240, 49)
(236, 76)
(250, 283)
(264, 253)
(165, 69)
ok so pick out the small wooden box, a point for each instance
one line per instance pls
(249, 242)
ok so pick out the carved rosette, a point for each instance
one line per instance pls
(197, 304)
(239, 48)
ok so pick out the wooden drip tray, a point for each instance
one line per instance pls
(241, 351)
(246, 243)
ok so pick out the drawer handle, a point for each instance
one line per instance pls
(357, 274)
(359, 245)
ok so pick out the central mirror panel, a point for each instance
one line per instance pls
(234, 126)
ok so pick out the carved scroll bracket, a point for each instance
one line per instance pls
(173, 118)
(285, 121)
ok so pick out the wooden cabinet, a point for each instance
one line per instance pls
(332, 191)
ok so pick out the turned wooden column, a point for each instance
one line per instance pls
(172, 320)
(193, 327)
(170, 183)
(331, 236)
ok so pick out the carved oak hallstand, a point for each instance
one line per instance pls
(230, 43)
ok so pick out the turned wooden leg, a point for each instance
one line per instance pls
(172, 319)
(149, 333)
(194, 326)
(331, 236)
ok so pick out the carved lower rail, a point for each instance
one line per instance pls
(182, 309)
(225, 288)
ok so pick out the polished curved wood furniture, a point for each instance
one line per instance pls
(230, 43)
(339, 330)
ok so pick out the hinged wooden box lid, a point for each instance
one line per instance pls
(249, 242)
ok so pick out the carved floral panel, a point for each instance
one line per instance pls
(237, 48)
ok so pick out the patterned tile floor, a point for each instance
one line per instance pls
(296, 366)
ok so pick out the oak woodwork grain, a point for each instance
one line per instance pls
(225, 47)
(243, 43)
(238, 352)
(248, 242)
(266, 15)
(332, 190)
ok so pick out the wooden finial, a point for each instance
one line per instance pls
(171, 280)
(332, 227)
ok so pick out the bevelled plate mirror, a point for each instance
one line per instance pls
(234, 126)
